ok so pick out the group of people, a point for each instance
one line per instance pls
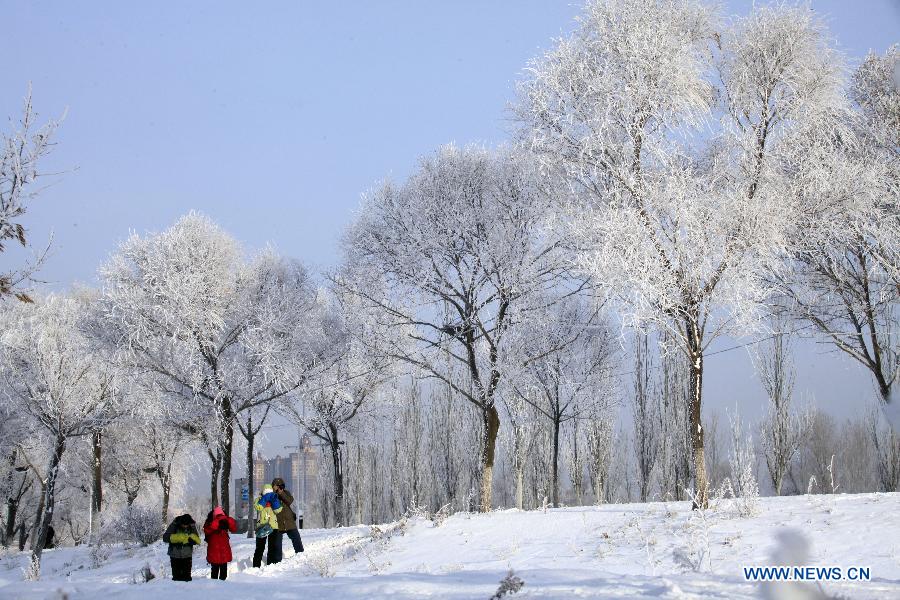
(275, 518)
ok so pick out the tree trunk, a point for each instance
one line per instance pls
(251, 438)
(96, 486)
(23, 537)
(359, 479)
(12, 507)
(338, 476)
(519, 464)
(701, 491)
(491, 422)
(520, 484)
(554, 469)
(165, 482)
(375, 491)
(40, 512)
(215, 463)
(577, 466)
(49, 499)
(227, 448)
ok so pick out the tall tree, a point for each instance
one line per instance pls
(350, 374)
(54, 374)
(844, 282)
(672, 128)
(20, 153)
(564, 371)
(782, 429)
(221, 333)
(454, 256)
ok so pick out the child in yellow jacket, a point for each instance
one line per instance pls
(181, 536)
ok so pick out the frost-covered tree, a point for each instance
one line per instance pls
(599, 437)
(351, 373)
(885, 448)
(21, 151)
(782, 429)
(455, 254)
(161, 444)
(644, 410)
(53, 373)
(565, 368)
(519, 440)
(219, 332)
(673, 128)
(673, 425)
(844, 279)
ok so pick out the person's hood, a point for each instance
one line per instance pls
(218, 512)
(184, 520)
(267, 489)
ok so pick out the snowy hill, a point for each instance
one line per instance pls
(612, 551)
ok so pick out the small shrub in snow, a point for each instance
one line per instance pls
(742, 485)
(696, 555)
(99, 554)
(416, 510)
(143, 575)
(441, 515)
(141, 524)
(508, 585)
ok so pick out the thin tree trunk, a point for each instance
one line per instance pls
(338, 476)
(520, 484)
(251, 438)
(696, 389)
(359, 490)
(375, 479)
(37, 546)
(165, 481)
(598, 490)
(40, 511)
(554, 469)
(577, 466)
(215, 463)
(491, 422)
(96, 485)
(227, 450)
(12, 506)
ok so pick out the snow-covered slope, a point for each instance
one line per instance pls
(613, 551)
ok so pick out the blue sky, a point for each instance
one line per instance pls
(273, 117)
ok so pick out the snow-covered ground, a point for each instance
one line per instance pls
(613, 551)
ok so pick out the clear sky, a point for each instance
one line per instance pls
(273, 117)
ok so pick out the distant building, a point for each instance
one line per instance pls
(298, 469)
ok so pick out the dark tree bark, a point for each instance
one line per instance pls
(97, 482)
(37, 545)
(554, 483)
(695, 356)
(338, 466)
(215, 459)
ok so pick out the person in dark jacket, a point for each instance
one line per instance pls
(287, 520)
(181, 536)
(267, 506)
(218, 546)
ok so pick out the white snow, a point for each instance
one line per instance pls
(610, 551)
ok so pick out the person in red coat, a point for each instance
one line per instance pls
(218, 548)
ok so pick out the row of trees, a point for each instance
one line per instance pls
(676, 174)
